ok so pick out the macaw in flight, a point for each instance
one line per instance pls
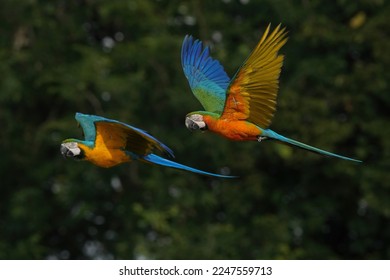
(240, 109)
(109, 142)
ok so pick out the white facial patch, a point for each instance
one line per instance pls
(72, 147)
(195, 121)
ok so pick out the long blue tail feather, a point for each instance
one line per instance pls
(152, 158)
(273, 135)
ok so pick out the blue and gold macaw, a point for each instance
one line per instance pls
(240, 109)
(109, 142)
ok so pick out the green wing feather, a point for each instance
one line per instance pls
(206, 76)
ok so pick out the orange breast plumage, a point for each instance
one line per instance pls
(103, 156)
(235, 130)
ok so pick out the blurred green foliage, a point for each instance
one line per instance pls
(121, 59)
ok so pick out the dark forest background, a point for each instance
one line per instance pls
(121, 59)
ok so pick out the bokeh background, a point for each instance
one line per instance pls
(121, 59)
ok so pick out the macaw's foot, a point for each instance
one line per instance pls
(261, 138)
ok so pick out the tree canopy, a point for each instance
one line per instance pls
(121, 60)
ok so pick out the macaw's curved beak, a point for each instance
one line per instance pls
(191, 125)
(194, 125)
(65, 151)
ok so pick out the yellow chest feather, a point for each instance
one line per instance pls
(104, 156)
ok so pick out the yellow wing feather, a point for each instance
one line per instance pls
(253, 91)
(117, 136)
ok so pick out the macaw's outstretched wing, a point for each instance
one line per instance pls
(252, 93)
(206, 76)
(118, 135)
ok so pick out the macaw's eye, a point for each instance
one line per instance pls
(191, 125)
(70, 150)
(195, 122)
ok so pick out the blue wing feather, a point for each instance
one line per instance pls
(206, 76)
(87, 123)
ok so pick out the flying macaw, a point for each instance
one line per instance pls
(109, 142)
(240, 109)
